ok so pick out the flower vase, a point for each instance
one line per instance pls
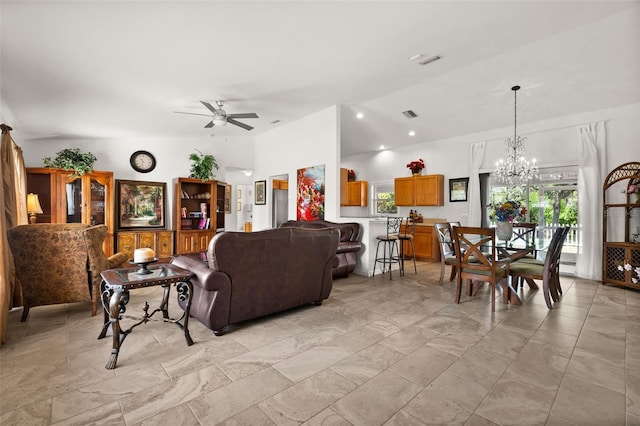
(504, 230)
(416, 172)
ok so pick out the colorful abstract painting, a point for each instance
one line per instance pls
(310, 193)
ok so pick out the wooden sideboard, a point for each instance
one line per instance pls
(160, 241)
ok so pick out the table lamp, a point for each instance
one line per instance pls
(33, 207)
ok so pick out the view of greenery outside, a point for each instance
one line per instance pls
(386, 203)
(557, 206)
(550, 205)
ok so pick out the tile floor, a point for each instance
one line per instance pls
(377, 352)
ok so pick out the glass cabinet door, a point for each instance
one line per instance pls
(73, 196)
(97, 202)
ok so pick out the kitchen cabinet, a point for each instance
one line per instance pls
(352, 193)
(425, 190)
(87, 199)
(425, 241)
(161, 242)
(618, 252)
(280, 184)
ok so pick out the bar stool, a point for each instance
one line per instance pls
(407, 236)
(389, 242)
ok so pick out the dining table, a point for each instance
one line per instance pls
(512, 251)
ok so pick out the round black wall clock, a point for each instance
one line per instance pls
(142, 161)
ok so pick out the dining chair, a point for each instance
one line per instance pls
(478, 261)
(389, 243)
(447, 249)
(525, 234)
(407, 235)
(548, 270)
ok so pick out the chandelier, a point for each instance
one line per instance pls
(516, 170)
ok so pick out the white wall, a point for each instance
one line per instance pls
(310, 141)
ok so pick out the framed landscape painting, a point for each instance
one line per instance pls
(141, 204)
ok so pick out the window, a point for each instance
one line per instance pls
(384, 199)
(551, 200)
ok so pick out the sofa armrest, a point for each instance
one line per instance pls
(349, 246)
(205, 278)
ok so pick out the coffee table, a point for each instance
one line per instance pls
(115, 289)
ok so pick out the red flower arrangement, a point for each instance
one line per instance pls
(351, 175)
(416, 166)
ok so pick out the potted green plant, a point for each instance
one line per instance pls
(72, 159)
(202, 166)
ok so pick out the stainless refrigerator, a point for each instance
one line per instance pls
(280, 207)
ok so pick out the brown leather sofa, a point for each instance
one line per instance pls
(253, 274)
(348, 247)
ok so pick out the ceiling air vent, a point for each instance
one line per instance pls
(409, 114)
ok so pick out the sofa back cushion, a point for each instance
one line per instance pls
(349, 231)
(281, 268)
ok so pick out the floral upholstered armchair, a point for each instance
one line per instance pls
(60, 263)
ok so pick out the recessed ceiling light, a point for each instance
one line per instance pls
(381, 146)
(412, 132)
(359, 116)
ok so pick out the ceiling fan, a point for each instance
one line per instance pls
(221, 118)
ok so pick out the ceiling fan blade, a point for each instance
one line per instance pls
(209, 107)
(243, 115)
(192, 113)
(239, 124)
(209, 125)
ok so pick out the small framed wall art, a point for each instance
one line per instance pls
(458, 189)
(261, 192)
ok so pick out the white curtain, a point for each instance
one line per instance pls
(591, 172)
(475, 208)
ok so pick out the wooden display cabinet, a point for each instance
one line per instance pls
(161, 242)
(627, 215)
(84, 199)
(425, 190)
(195, 202)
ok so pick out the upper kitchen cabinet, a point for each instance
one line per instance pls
(425, 190)
(352, 193)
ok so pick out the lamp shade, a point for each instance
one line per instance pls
(33, 204)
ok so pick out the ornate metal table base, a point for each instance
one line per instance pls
(115, 296)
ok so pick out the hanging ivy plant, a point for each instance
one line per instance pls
(202, 166)
(72, 159)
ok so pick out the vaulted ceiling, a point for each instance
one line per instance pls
(98, 70)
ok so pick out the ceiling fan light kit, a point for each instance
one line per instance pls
(221, 118)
